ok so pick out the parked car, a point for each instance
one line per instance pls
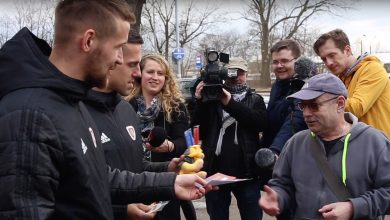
(187, 87)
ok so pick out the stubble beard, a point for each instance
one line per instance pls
(96, 71)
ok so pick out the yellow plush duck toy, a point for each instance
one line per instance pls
(193, 161)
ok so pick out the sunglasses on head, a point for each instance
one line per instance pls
(313, 106)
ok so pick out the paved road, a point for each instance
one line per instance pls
(201, 212)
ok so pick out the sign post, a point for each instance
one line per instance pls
(178, 53)
(198, 62)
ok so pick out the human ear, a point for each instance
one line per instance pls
(88, 40)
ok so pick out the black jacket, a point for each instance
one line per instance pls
(175, 131)
(250, 114)
(120, 136)
(283, 116)
(52, 162)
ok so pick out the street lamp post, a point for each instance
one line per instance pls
(361, 44)
(177, 39)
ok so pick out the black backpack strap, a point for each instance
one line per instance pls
(334, 183)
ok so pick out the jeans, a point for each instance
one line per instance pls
(247, 194)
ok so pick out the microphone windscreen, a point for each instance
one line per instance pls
(157, 136)
(304, 68)
(265, 158)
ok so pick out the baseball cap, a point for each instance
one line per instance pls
(237, 63)
(320, 84)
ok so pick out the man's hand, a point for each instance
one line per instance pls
(198, 90)
(139, 211)
(226, 97)
(269, 202)
(173, 165)
(190, 187)
(336, 211)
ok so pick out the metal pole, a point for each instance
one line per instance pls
(177, 39)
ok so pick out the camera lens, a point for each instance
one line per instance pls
(212, 56)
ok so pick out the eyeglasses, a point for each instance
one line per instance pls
(282, 62)
(313, 106)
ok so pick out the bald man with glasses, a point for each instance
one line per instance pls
(357, 154)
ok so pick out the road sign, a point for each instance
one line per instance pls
(198, 62)
(178, 53)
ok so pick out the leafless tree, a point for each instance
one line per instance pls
(233, 43)
(276, 20)
(137, 5)
(160, 30)
(5, 29)
(159, 25)
(38, 16)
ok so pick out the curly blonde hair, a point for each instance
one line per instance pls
(170, 93)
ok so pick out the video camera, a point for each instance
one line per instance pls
(213, 75)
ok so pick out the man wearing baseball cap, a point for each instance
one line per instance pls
(229, 130)
(357, 154)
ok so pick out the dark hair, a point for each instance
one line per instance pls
(288, 44)
(134, 37)
(100, 15)
(338, 36)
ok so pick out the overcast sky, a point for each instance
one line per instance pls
(368, 23)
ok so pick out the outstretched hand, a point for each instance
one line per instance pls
(190, 187)
(269, 201)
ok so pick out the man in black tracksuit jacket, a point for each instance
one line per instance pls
(52, 162)
(118, 123)
(51, 151)
(121, 139)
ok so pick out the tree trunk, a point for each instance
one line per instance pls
(137, 5)
(265, 79)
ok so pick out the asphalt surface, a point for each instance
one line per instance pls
(201, 213)
(200, 206)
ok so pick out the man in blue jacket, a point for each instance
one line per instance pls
(52, 162)
(283, 117)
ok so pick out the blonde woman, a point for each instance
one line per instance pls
(159, 103)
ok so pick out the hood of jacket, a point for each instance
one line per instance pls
(359, 62)
(24, 61)
(102, 100)
(357, 127)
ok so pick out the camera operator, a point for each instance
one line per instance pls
(229, 130)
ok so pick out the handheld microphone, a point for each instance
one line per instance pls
(265, 158)
(304, 68)
(157, 136)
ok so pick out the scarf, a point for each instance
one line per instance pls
(238, 94)
(235, 89)
(147, 116)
